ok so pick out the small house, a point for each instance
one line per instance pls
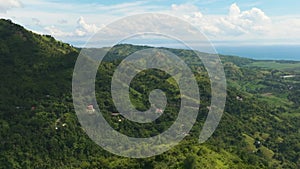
(115, 114)
(90, 108)
(159, 111)
(208, 108)
(239, 98)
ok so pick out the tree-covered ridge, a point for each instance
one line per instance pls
(27, 60)
(39, 128)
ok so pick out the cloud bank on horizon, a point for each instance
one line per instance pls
(230, 23)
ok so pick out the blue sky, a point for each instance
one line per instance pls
(273, 7)
(230, 22)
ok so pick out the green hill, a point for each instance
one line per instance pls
(39, 128)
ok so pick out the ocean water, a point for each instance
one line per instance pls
(276, 52)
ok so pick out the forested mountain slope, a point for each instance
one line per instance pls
(39, 129)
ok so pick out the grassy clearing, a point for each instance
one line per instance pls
(250, 146)
(290, 115)
(267, 152)
(295, 66)
(271, 99)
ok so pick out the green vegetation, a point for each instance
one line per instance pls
(278, 65)
(39, 128)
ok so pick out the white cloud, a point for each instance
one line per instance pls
(85, 28)
(52, 30)
(234, 10)
(74, 22)
(235, 23)
(184, 9)
(79, 32)
(287, 28)
(192, 14)
(6, 5)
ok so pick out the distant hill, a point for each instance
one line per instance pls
(39, 128)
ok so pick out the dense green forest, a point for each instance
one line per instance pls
(260, 127)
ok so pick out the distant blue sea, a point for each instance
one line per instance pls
(275, 52)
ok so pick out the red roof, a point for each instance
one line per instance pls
(90, 107)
